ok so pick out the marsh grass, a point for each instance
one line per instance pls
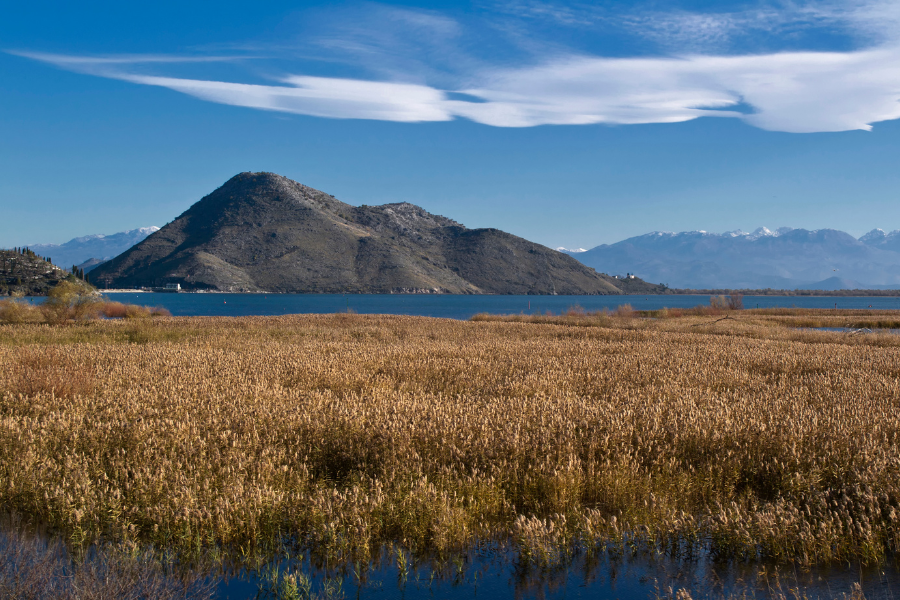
(793, 324)
(48, 371)
(742, 439)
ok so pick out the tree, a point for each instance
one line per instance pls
(69, 301)
(718, 302)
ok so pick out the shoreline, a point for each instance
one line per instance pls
(670, 292)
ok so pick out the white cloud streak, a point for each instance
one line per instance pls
(318, 96)
(792, 92)
(787, 91)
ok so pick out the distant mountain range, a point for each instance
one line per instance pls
(823, 259)
(90, 250)
(262, 231)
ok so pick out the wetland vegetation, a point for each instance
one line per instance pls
(733, 435)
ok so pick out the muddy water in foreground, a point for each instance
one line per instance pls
(495, 575)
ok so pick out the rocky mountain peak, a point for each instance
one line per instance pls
(412, 217)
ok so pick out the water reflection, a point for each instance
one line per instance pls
(852, 330)
(489, 571)
(489, 574)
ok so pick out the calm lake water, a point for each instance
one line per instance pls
(608, 576)
(457, 307)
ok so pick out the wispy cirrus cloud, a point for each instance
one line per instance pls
(792, 91)
(394, 43)
(787, 21)
(104, 65)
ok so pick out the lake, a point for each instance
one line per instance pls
(489, 574)
(458, 306)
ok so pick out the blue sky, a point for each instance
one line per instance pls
(570, 124)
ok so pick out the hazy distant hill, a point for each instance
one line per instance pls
(786, 258)
(100, 247)
(262, 231)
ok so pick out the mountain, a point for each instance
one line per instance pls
(877, 238)
(783, 259)
(99, 247)
(89, 265)
(262, 231)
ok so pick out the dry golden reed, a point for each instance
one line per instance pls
(742, 438)
(48, 370)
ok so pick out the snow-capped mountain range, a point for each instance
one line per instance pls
(785, 258)
(99, 247)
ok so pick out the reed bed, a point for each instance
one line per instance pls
(343, 433)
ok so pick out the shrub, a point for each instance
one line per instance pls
(118, 310)
(160, 311)
(718, 302)
(732, 302)
(736, 302)
(70, 301)
(574, 311)
(624, 311)
(133, 311)
(113, 310)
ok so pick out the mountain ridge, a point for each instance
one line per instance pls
(98, 246)
(786, 258)
(265, 232)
